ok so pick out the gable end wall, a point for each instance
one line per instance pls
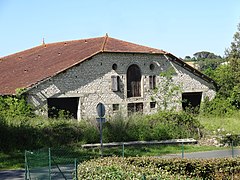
(91, 82)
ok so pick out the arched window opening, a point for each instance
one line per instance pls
(134, 81)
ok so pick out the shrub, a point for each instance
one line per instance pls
(90, 131)
(15, 106)
(217, 107)
(155, 168)
(32, 133)
(116, 129)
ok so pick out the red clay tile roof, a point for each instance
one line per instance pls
(26, 68)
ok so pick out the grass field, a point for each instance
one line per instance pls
(221, 125)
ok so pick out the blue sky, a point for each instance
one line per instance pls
(181, 27)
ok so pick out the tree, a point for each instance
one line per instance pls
(167, 94)
(205, 54)
(209, 63)
(228, 76)
(233, 57)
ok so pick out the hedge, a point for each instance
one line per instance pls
(158, 168)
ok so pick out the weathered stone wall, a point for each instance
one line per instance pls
(91, 82)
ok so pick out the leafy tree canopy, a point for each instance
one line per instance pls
(205, 55)
(228, 76)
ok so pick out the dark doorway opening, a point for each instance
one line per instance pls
(191, 100)
(64, 106)
(134, 81)
(135, 107)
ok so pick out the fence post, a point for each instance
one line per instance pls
(232, 150)
(26, 165)
(75, 164)
(49, 163)
(182, 150)
(123, 150)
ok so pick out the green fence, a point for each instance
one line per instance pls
(52, 164)
(61, 163)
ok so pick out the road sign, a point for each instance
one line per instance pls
(101, 110)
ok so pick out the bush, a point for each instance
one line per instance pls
(14, 107)
(22, 133)
(217, 107)
(90, 132)
(116, 129)
(154, 168)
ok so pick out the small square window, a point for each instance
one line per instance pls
(115, 107)
(152, 105)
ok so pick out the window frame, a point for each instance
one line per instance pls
(152, 81)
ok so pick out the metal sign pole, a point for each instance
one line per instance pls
(101, 137)
(101, 113)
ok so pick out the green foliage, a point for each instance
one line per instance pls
(169, 73)
(160, 126)
(225, 80)
(217, 107)
(220, 125)
(235, 96)
(212, 64)
(231, 139)
(157, 168)
(38, 132)
(12, 106)
(228, 79)
(116, 129)
(166, 94)
(234, 50)
(33, 133)
(205, 55)
(233, 57)
(90, 132)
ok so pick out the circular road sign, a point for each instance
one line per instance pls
(101, 110)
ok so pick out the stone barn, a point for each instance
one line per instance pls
(75, 76)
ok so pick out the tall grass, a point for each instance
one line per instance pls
(159, 126)
(23, 132)
(221, 124)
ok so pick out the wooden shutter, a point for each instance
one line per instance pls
(115, 83)
(152, 82)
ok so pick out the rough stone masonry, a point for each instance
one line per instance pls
(91, 82)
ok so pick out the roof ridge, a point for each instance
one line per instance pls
(68, 41)
(145, 46)
(104, 42)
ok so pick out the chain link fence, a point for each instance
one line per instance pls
(227, 148)
(53, 163)
(62, 163)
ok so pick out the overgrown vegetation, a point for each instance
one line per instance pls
(39, 132)
(14, 106)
